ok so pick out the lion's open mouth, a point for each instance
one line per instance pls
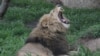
(60, 15)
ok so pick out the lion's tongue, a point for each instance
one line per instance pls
(63, 20)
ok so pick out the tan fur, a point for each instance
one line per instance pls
(49, 20)
(47, 37)
(34, 50)
(53, 26)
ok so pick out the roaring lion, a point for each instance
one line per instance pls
(48, 37)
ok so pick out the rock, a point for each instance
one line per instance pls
(55, 2)
(78, 3)
(81, 3)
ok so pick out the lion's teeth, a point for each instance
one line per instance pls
(64, 20)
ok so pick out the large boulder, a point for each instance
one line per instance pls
(78, 3)
(81, 3)
(55, 2)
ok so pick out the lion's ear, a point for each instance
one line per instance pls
(44, 21)
(51, 12)
(44, 24)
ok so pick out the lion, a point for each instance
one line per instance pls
(48, 38)
(34, 50)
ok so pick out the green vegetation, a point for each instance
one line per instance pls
(13, 30)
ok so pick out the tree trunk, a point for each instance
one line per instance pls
(3, 7)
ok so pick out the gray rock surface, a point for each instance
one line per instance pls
(78, 3)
